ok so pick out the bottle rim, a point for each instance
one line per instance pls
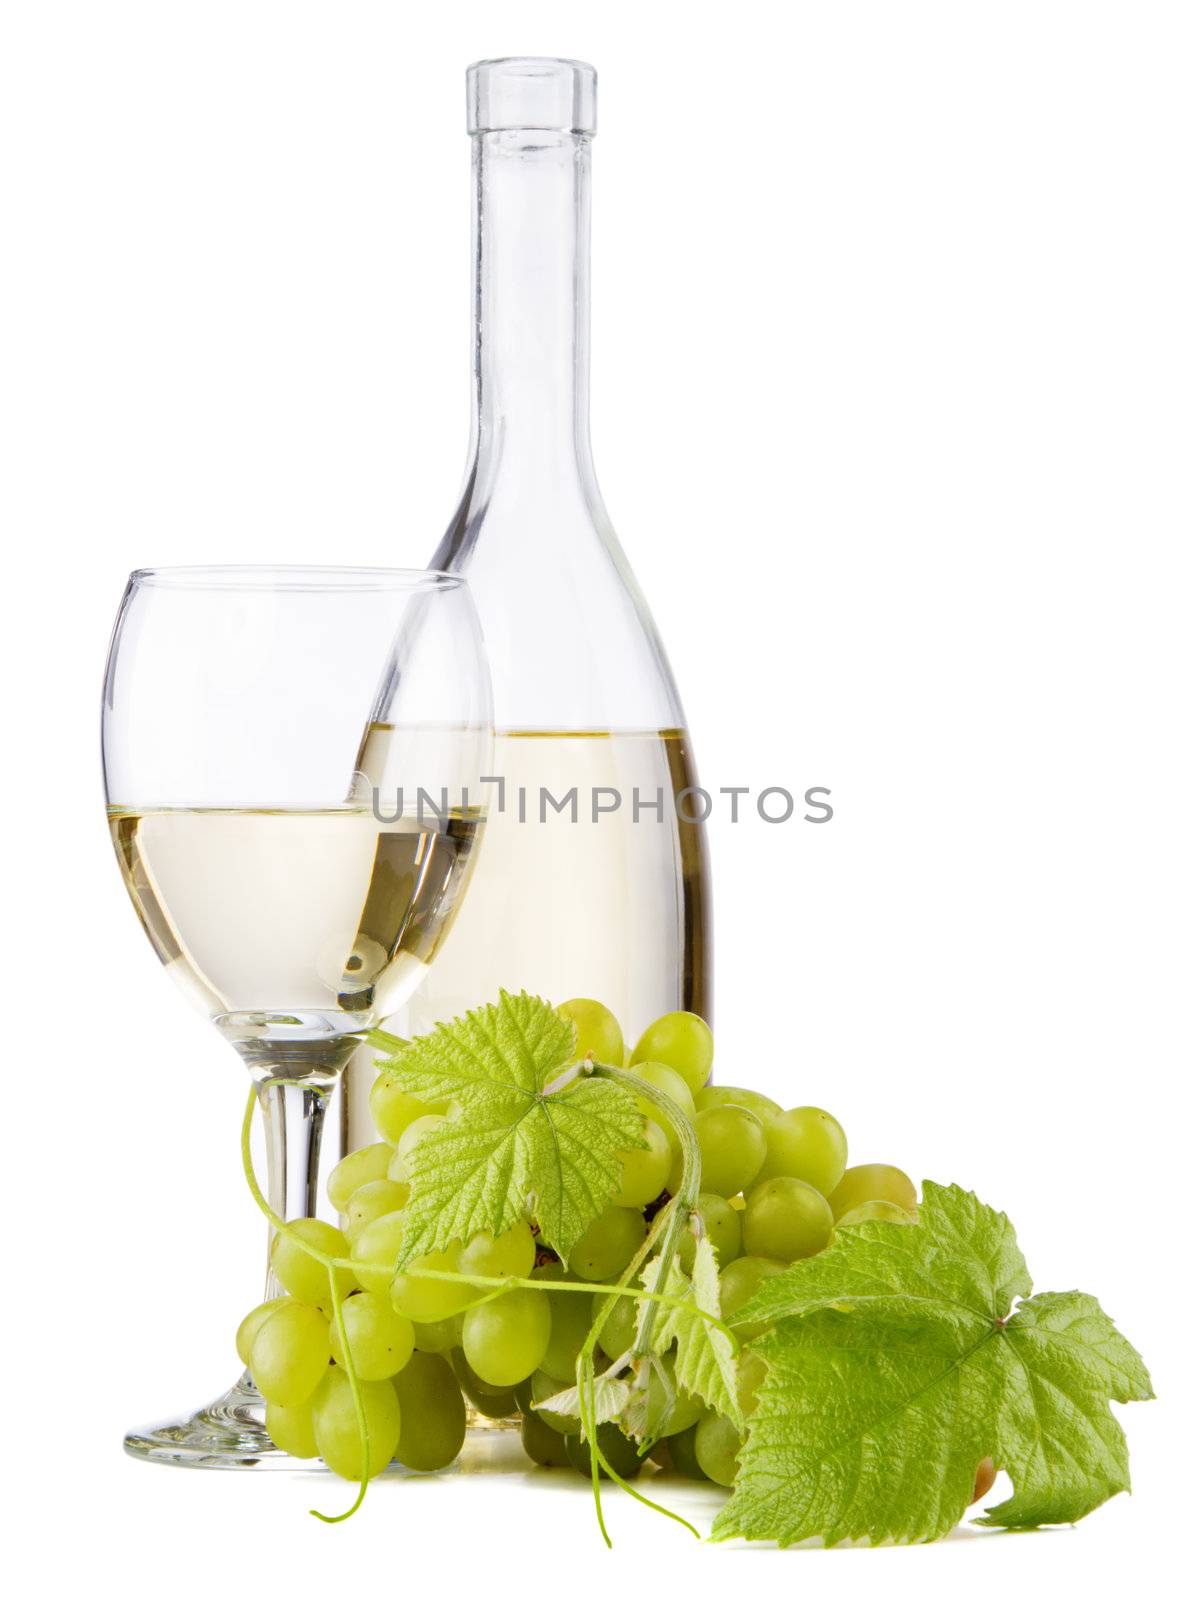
(541, 94)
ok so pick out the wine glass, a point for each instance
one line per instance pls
(293, 760)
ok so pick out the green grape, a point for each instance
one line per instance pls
(541, 1443)
(434, 1414)
(375, 1250)
(619, 1331)
(739, 1282)
(290, 1354)
(643, 1173)
(622, 1453)
(371, 1201)
(505, 1339)
(725, 1094)
(400, 1170)
(392, 1108)
(431, 1299)
(717, 1444)
(805, 1143)
(721, 1224)
(379, 1341)
(543, 1387)
(680, 1040)
(510, 1256)
(608, 1245)
(874, 1181)
(682, 1454)
(570, 1322)
(786, 1219)
(336, 1424)
(598, 1032)
(732, 1147)
(250, 1324)
(301, 1274)
(876, 1211)
(671, 1085)
(672, 1409)
(750, 1369)
(438, 1338)
(359, 1167)
(292, 1428)
(467, 1377)
(487, 1398)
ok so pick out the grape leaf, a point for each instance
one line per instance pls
(898, 1365)
(874, 1264)
(705, 1364)
(1063, 1449)
(609, 1398)
(516, 1148)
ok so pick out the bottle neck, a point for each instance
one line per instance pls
(532, 311)
(569, 640)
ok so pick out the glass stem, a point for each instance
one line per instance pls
(293, 1114)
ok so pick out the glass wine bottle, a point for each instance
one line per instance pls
(589, 882)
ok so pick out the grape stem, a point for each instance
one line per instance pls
(386, 1043)
(564, 1079)
(584, 1371)
(668, 1227)
(681, 1207)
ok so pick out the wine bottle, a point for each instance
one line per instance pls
(588, 882)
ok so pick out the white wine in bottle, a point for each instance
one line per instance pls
(610, 897)
(576, 898)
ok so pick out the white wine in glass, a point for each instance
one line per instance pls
(294, 900)
(334, 911)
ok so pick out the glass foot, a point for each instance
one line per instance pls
(231, 1432)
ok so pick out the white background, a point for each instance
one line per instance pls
(894, 406)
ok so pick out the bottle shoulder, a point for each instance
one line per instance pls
(569, 635)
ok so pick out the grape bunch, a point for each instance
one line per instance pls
(775, 1185)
